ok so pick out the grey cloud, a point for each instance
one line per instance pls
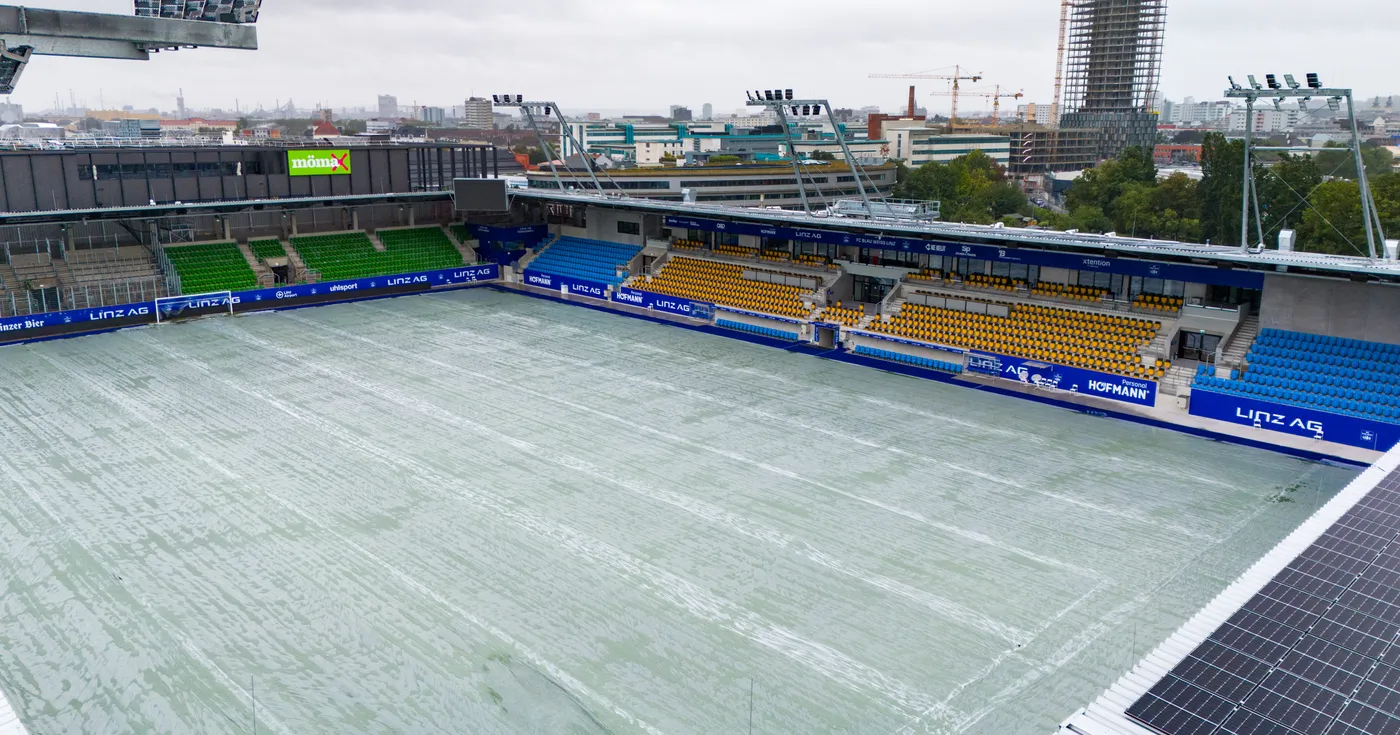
(645, 54)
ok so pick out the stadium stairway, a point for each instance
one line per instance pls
(211, 266)
(1177, 381)
(375, 241)
(260, 271)
(1243, 339)
(468, 255)
(301, 272)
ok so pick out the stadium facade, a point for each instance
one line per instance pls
(136, 175)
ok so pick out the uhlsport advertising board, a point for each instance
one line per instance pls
(318, 163)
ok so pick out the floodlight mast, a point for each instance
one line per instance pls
(529, 109)
(779, 100)
(27, 32)
(1370, 217)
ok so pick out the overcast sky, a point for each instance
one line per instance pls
(642, 55)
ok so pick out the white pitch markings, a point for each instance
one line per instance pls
(919, 518)
(707, 511)
(668, 587)
(945, 707)
(1113, 618)
(188, 646)
(1022, 436)
(504, 346)
(540, 662)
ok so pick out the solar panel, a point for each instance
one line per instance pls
(1315, 652)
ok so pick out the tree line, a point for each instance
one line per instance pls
(1317, 195)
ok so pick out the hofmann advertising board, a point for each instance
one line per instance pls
(318, 163)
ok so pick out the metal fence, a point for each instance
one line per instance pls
(82, 296)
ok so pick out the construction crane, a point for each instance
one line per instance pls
(995, 95)
(956, 78)
(1060, 63)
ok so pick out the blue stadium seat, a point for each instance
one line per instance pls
(589, 260)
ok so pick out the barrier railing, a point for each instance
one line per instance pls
(81, 296)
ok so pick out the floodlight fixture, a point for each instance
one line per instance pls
(1290, 81)
(768, 95)
(789, 94)
(1272, 81)
(519, 98)
(1313, 81)
(1254, 82)
(495, 99)
(1334, 104)
(1234, 84)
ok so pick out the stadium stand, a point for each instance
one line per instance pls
(352, 255)
(994, 283)
(775, 256)
(1073, 293)
(735, 251)
(213, 266)
(755, 329)
(264, 249)
(687, 244)
(839, 314)
(589, 260)
(926, 275)
(1345, 376)
(815, 261)
(1152, 302)
(462, 234)
(1098, 342)
(724, 283)
(923, 362)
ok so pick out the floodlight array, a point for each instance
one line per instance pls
(218, 11)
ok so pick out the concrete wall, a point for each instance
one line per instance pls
(602, 225)
(1221, 322)
(1324, 306)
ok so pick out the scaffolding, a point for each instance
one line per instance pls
(1112, 65)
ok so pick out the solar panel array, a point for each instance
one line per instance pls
(222, 11)
(1313, 653)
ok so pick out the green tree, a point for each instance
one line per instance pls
(1101, 185)
(721, 160)
(1333, 223)
(1284, 189)
(1222, 165)
(1334, 160)
(823, 156)
(971, 189)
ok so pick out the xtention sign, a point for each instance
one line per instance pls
(1045, 258)
(318, 163)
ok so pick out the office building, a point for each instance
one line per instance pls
(478, 114)
(388, 106)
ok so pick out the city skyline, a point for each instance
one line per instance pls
(563, 44)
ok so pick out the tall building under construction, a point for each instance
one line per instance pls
(1112, 59)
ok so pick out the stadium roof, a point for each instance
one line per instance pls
(1106, 245)
(1272, 261)
(1367, 503)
